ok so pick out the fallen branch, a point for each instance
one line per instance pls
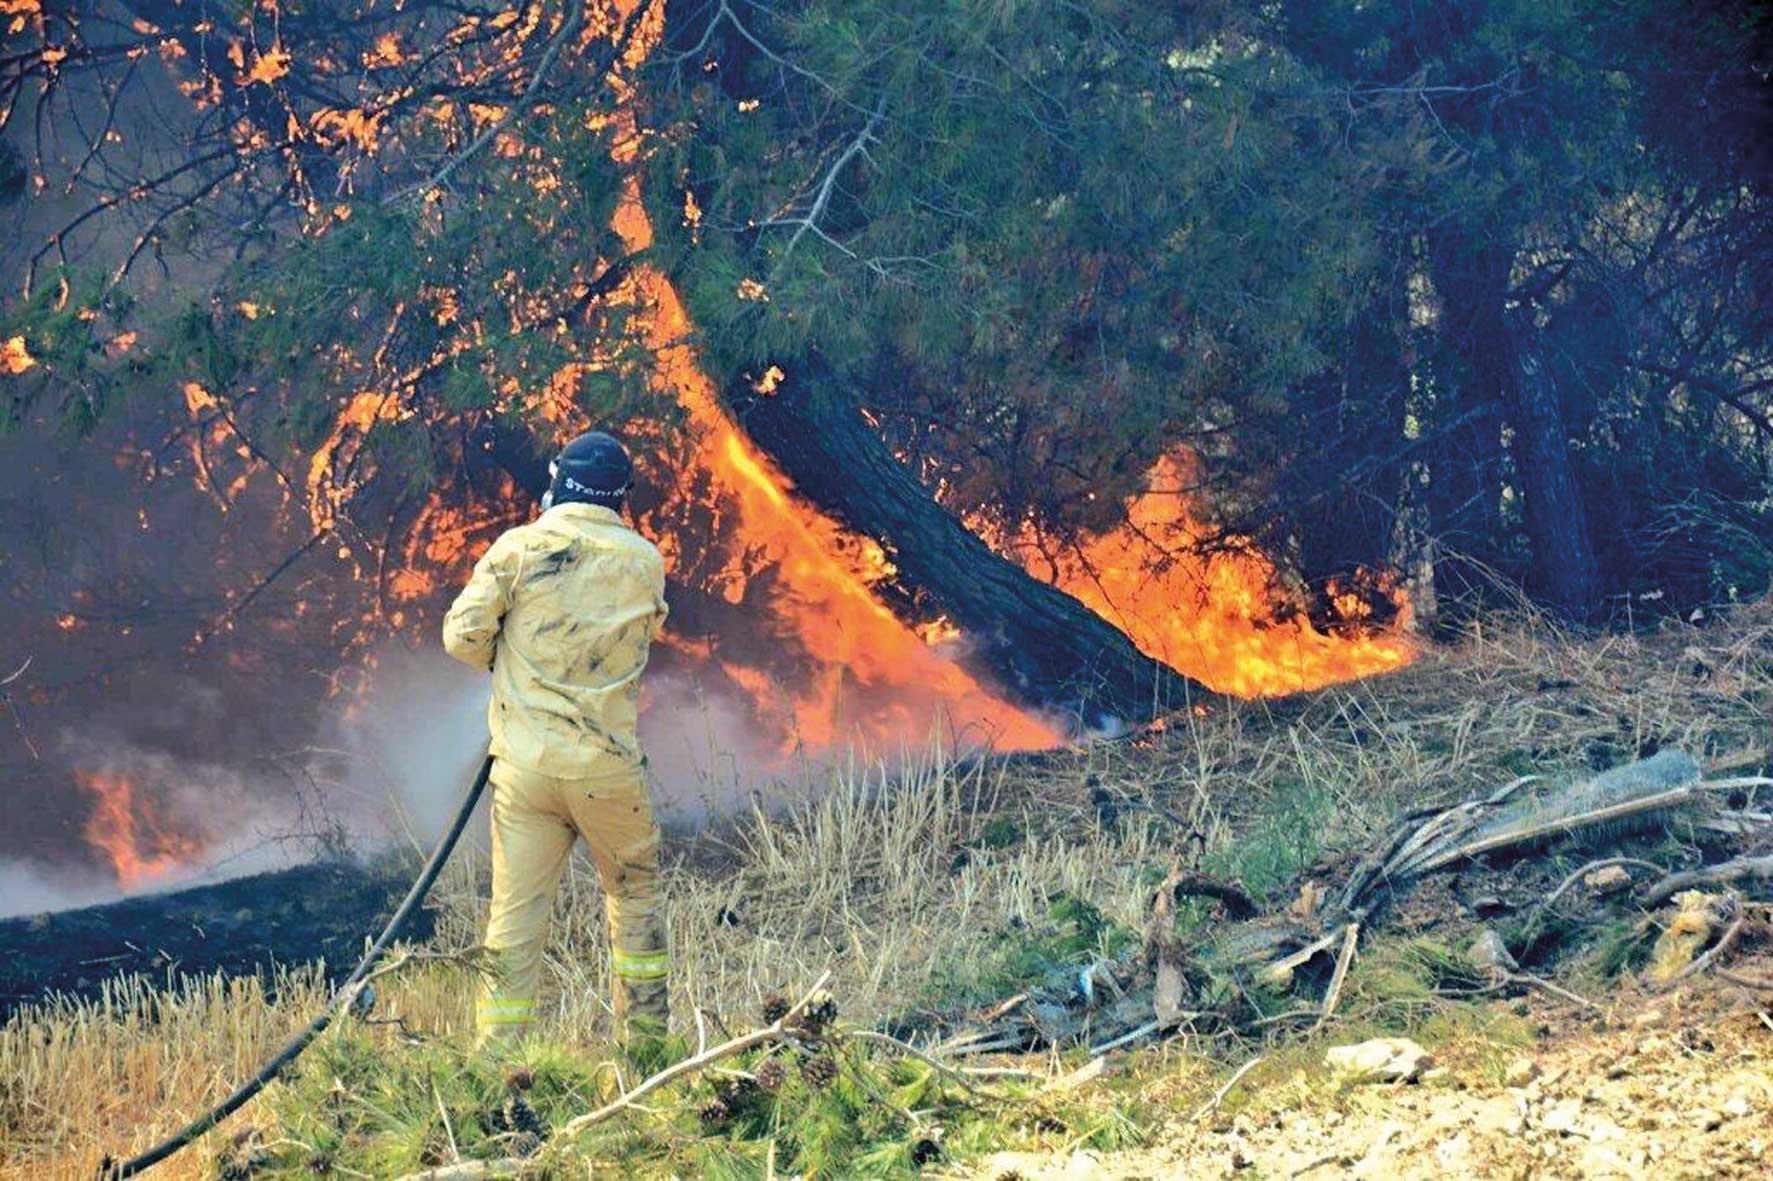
(471, 1170)
(1344, 959)
(1281, 969)
(1752, 757)
(884, 1039)
(1144, 1031)
(1743, 979)
(1582, 872)
(774, 1031)
(1015, 1072)
(455, 1153)
(1232, 895)
(987, 1045)
(1559, 826)
(781, 1028)
(1724, 944)
(1532, 981)
(1727, 871)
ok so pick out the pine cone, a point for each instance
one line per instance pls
(775, 1007)
(715, 1113)
(819, 1070)
(771, 1074)
(520, 1078)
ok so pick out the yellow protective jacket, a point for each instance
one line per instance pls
(562, 610)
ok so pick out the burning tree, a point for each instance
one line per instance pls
(1031, 325)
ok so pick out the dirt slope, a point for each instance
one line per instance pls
(1669, 1086)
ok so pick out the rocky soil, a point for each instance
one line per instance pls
(1674, 1085)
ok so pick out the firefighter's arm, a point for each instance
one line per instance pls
(471, 629)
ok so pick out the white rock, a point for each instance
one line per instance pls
(1084, 1164)
(1384, 1059)
(1454, 1152)
(1561, 1116)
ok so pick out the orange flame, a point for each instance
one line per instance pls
(821, 573)
(872, 676)
(1211, 616)
(141, 844)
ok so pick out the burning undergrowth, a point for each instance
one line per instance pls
(784, 646)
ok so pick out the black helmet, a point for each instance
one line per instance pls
(593, 469)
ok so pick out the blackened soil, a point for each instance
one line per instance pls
(246, 926)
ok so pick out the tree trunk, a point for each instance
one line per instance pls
(1565, 570)
(1499, 364)
(1350, 476)
(1044, 646)
(1464, 497)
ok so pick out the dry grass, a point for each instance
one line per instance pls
(909, 886)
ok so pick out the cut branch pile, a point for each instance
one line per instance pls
(1206, 981)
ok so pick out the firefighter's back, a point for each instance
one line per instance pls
(586, 597)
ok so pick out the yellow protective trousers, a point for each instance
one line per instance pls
(535, 820)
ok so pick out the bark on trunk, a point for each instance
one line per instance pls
(1500, 363)
(1465, 471)
(1564, 562)
(1047, 648)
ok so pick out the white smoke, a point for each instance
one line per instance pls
(389, 767)
(402, 753)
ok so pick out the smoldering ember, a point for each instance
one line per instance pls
(1110, 590)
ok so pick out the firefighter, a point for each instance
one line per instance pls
(562, 611)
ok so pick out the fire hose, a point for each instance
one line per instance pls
(344, 996)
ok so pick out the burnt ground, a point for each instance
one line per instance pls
(245, 926)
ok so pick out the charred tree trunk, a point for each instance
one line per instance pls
(1046, 647)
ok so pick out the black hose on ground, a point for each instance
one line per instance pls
(111, 1170)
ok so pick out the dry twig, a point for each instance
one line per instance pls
(1207, 1108)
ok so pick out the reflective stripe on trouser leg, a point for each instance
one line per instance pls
(640, 987)
(640, 964)
(500, 1015)
(646, 965)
